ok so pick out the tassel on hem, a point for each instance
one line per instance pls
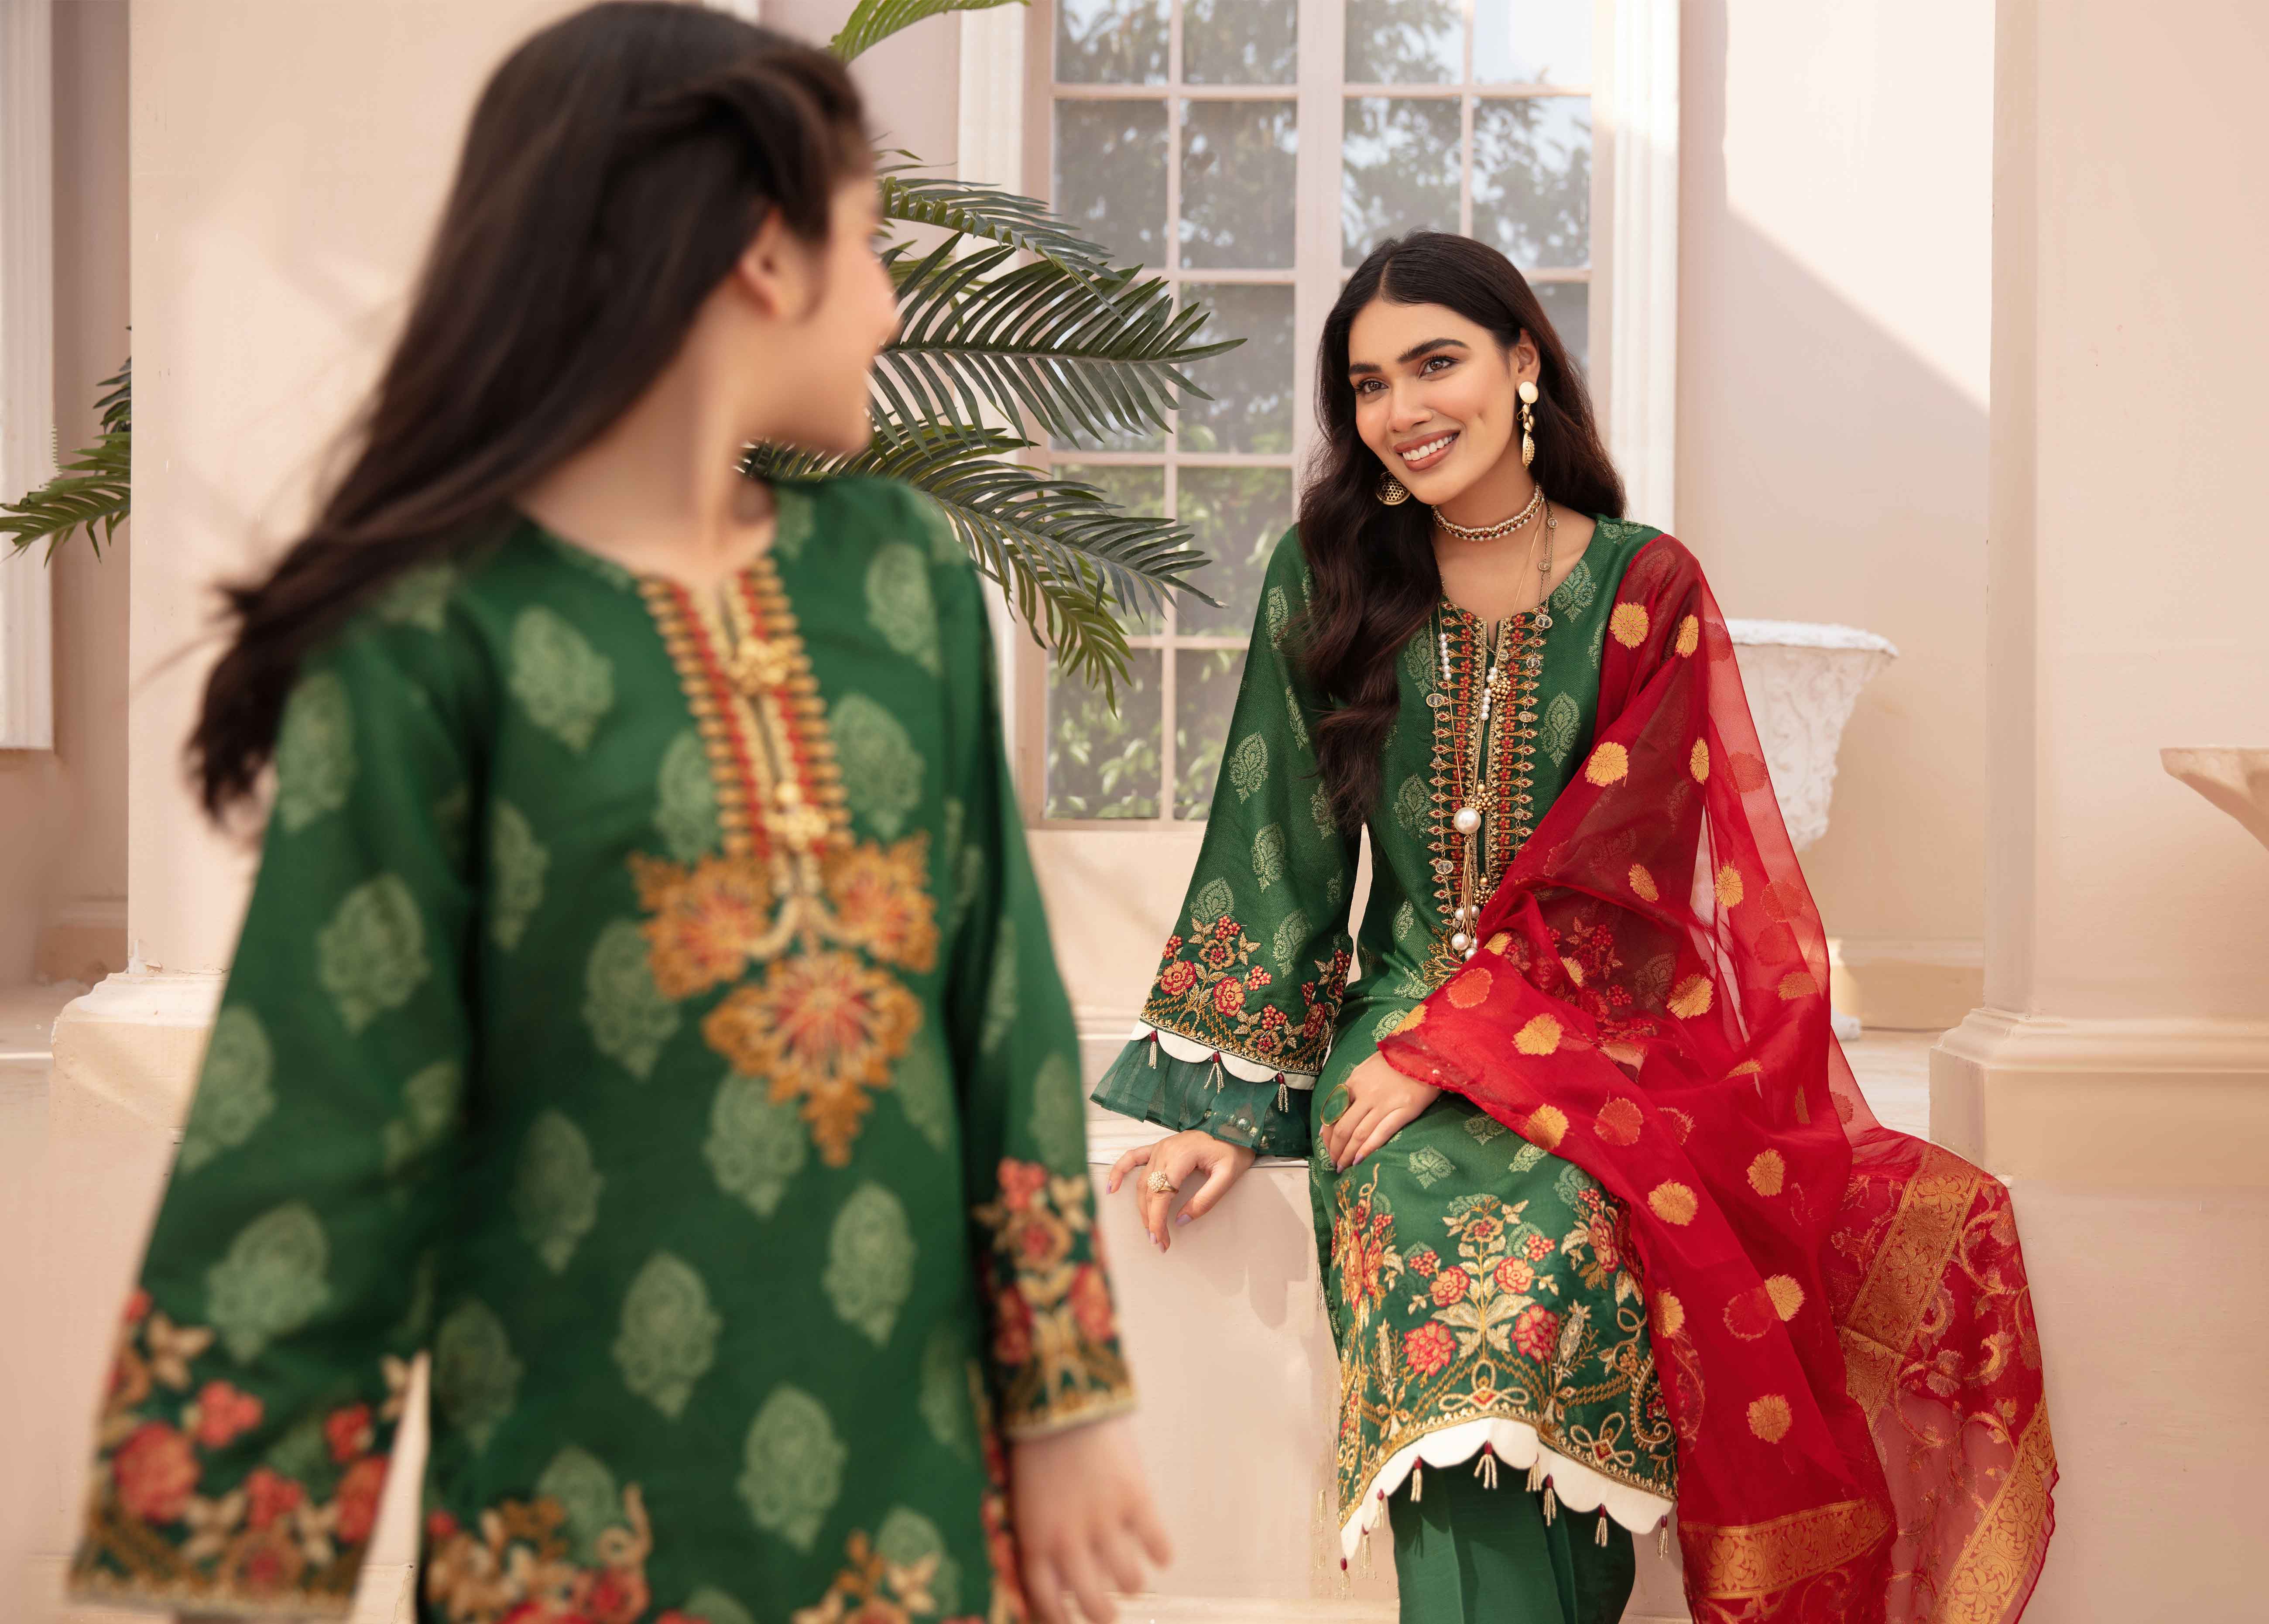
(1417, 1483)
(1536, 1477)
(1662, 1538)
(1284, 1095)
(1600, 1537)
(1485, 1469)
(1219, 1081)
(1153, 1051)
(1550, 1505)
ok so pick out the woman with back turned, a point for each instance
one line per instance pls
(1607, 1225)
(645, 1006)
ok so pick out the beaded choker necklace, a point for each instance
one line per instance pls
(1503, 527)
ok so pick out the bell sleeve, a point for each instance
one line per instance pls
(1241, 1016)
(261, 1362)
(1052, 1345)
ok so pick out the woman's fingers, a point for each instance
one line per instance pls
(1114, 1548)
(1387, 1125)
(1142, 1517)
(1044, 1590)
(1354, 1125)
(1219, 1177)
(1127, 1163)
(1171, 1165)
(1080, 1572)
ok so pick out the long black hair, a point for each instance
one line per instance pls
(1375, 580)
(617, 165)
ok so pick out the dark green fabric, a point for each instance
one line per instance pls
(707, 1330)
(1465, 1553)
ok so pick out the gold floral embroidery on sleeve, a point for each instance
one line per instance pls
(1055, 1348)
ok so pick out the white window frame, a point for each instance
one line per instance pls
(27, 362)
(1006, 116)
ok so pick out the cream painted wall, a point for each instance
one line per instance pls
(64, 814)
(1836, 219)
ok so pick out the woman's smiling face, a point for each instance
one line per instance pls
(1434, 394)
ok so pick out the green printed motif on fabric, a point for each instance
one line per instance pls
(1429, 1166)
(870, 1261)
(755, 1144)
(909, 1540)
(1526, 1157)
(881, 769)
(711, 1605)
(685, 800)
(1413, 804)
(234, 1094)
(925, 1093)
(475, 1375)
(1213, 900)
(429, 1113)
(555, 1189)
(1484, 1128)
(794, 1466)
(900, 605)
(565, 685)
(587, 1493)
(1418, 659)
(1268, 855)
(669, 1332)
(272, 1282)
(1295, 719)
(1059, 1115)
(371, 956)
(315, 751)
(794, 524)
(945, 1388)
(1248, 766)
(1563, 719)
(1292, 933)
(1001, 991)
(418, 597)
(1277, 611)
(1577, 591)
(516, 864)
(1319, 808)
(629, 1018)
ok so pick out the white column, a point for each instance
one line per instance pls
(2120, 1073)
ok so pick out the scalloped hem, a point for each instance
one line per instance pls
(1181, 1048)
(1517, 1447)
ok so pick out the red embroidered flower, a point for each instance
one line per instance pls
(1271, 1018)
(155, 1470)
(1483, 1231)
(263, 1564)
(1424, 1262)
(1226, 927)
(1317, 1023)
(440, 1528)
(223, 1413)
(138, 1307)
(1229, 995)
(1429, 1347)
(1173, 945)
(348, 1432)
(1177, 979)
(270, 1495)
(1449, 1286)
(1536, 1331)
(1012, 1328)
(1040, 1240)
(678, 1615)
(1257, 977)
(1539, 1247)
(1020, 1182)
(1219, 955)
(358, 1499)
(1514, 1274)
(1091, 1304)
(618, 1595)
(1603, 1241)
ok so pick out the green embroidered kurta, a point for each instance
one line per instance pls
(1479, 1288)
(645, 1006)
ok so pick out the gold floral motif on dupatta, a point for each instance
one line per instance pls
(1754, 1560)
(820, 920)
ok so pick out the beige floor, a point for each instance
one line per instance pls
(1893, 1068)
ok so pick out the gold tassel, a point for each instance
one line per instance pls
(1601, 1538)
(1662, 1538)
(1536, 1475)
(1485, 1468)
(1153, 1053)
(1550, 1505)
(1417, 1482)
(1284, 1095)
(1218, 1082)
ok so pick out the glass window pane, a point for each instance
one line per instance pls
(1404, 41)
(1532, 179)
(1398, 171)
(1205, 694)
(1111, 42)
(1111, 175)
(1568, 306)
(1251, 385)
(1532, 41)
(1102, 764)
(1236, 513)
(1237, 183)
(1240, 42)
(1140, 490)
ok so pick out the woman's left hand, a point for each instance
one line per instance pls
(1380, 1100)
(1083, 1519)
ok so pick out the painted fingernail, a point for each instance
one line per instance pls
(1182, 1219)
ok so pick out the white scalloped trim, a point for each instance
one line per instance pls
(1517, 1448)
(1248, 1070)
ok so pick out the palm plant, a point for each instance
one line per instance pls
(90, 492)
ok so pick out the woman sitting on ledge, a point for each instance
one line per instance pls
(1695, 1271)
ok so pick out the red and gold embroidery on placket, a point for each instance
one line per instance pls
(810, 923)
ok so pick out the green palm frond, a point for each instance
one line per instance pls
(92, 492)
(969, 209)
(874, 20)
(1066, 557)
(1081, 358)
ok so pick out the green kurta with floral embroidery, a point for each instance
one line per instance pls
(647, 1008)
(1478, 1287)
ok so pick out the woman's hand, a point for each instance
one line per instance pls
(1083, 1519)
(1380, 1100)
(1171, 1162)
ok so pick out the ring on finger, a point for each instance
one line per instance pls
(1158, 1184)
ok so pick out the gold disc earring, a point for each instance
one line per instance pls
(1527, 422)
(1392, 492)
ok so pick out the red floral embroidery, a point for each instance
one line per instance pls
(223, 1413)
(1428, 1348)
(269, 1494)
(1020, 1182)
(1424, 1262)
(1514, 1274)
(1449, 1286)
(1209, 990)
(1055, 1335)
(1176, 979)
(155, 1472)
(1229, 995)
(348, 1432)
(1539, 1246)
(360, 1491)
(1091, 1305)
(1012, 1328)
(1536, 1331)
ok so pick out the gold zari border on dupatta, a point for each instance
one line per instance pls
(1752, 1559)
(2002, 1554)
(1888, 1306)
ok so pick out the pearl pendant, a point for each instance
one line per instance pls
(1466, 821)
(1458, 941)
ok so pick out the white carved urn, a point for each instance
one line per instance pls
(1803, 681)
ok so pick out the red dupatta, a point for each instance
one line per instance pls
(1840, 1313)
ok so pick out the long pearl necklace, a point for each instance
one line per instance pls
(1472, 781)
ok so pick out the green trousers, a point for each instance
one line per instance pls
(1468, 1555)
